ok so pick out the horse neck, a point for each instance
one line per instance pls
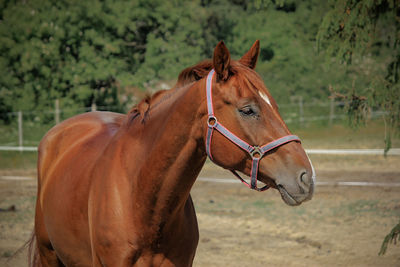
(170, 153)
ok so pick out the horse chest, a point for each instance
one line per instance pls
(140, 237)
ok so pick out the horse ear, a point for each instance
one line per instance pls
(250, 58)
(221, 61)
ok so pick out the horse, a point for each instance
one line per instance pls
(114, 189)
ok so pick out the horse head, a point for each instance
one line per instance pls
(248, 115)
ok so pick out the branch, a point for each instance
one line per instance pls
(392, 237)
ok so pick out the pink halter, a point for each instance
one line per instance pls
(255, 152)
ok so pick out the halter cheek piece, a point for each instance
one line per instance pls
(255, 152)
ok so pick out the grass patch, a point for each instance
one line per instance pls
(7, 254)
(342, 136)
(32, 133)
(18, 160)
(262, 204)
(361, 206)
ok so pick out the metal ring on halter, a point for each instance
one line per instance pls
(212, 121)
(256, 153)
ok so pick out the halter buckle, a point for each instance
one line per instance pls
(256, 153)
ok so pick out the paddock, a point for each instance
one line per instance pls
(343, 225)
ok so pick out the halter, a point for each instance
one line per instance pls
(255, 152)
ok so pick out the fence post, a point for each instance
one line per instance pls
(20, 133)
(332, 111)
(57, 111)
(301, 111)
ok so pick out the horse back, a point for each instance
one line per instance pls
(78, 140)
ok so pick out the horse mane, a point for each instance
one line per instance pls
(247, 78)
(194, 73)
(143, 107)
(187, 76)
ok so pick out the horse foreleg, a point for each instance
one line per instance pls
(47, 255)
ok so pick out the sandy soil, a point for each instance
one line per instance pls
(341, 226)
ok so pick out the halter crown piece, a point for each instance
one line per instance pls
(255, 152)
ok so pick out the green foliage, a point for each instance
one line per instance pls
(288, 62)
(176, 42)
(92, 51)
(349, 28)
(392, 237)
(53, 49)
(89, 51)
(366, 34)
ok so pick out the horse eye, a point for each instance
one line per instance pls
(247, 111)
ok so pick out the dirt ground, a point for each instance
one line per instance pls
(340, 226)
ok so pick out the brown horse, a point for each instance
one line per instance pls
(113, 189)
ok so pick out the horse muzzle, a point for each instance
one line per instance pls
(301, 191)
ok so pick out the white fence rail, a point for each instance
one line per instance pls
(392, 152)
(318, 183)
(18, 148)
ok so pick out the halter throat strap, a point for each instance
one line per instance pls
(255, 152)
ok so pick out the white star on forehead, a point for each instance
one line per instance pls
(264, 97)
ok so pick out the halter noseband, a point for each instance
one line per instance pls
(255, 152)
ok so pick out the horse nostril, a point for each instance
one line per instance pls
(305, 178)
(304, 182)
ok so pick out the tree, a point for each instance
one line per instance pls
(59, 49)
(89, 51)
(367, 32)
